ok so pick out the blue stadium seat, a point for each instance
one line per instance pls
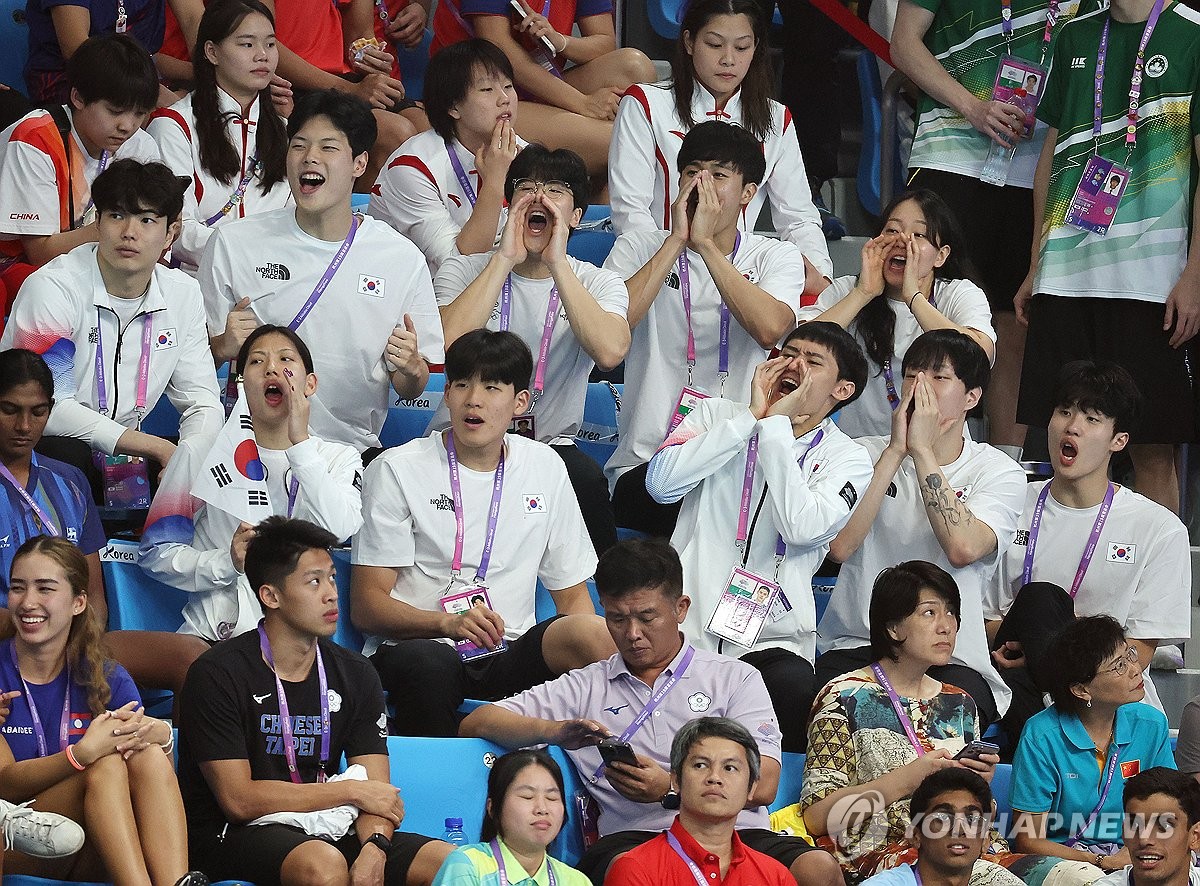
(163, 419)
(597, 437)
(791, 776)
(346, 634)
(822, 587)
(137, 602)
(544, 603)
(359, 202)
(594, 238)
(1002, 788)
(665, 16)
(14, 37)
(412, 66)
(869, 160)
(408, 419)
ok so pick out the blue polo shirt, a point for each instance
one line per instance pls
(1056, 769)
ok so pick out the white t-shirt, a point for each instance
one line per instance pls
(960, 301)
(174, 129)
(270, 259)
(408, 524)
(559, 410)
(704, 463)
(29, 181)
(1123, 877)
(987, 481)
(418, 193)
(656, 365)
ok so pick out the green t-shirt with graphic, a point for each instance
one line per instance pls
(967, 37)
(1145, 250)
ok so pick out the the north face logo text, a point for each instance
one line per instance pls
(272, 271)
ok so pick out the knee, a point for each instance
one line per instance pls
(110, 770)
(635, 65)
(151, 764)
(314, 863)
(577, 640)
(392, 130)
(817, 868)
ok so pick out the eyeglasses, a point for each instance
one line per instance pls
(1121, 668)
(525, 186)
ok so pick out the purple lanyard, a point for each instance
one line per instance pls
(1135, 84)
(285, 719)
(1035, 526)
(882, 679)
(748, 488)
(463, 181)
(685, 289)
(1109, 772)
(292, 491)
(503, 874)
(539, 377)
(697, 874)
(917, 874)
(64, 724)
(143, 376)
(323, 283)
(652, 704)
(381, 10)
(39, 516)
(889, 380)
(236, 197)
(104, 158)
(459, 521)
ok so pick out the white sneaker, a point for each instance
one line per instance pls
(40, 834)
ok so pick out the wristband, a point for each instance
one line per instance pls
(70, 752)
(913, 299)
(169, 745)
(566, 43)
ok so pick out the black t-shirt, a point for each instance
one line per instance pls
(229, 711)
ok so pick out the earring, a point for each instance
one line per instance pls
(1089, 704)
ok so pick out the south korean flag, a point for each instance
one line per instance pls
(233, 477)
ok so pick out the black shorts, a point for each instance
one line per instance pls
(1126, 331)
(255, 853)
(998, 252)
(595, 861)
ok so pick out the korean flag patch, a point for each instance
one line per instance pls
(368, 285)
(535, 503)
(164, 338)
(1121, 553)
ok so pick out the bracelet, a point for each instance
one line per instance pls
(566, 43)
(169, 745)
(913, 299)
(70, 752)
(1098, 857)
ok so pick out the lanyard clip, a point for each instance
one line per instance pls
(721, 376)
(690, 365)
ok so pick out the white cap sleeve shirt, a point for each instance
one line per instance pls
(383, 277)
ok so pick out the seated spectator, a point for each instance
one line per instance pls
(98, 758)
(1086, 546)
(427, 521)
(728, 556)
(287, 260)
(569, 84)
(527, 285)
(1162, 812)
(120, 330)
(49, 159)
(915, 277)
(938, 496)
(631, 695)
(880, 731)
(261, 802)
(1060, 805)
(715, 767)
(426, 190)
(201, 549)
(226, 136)
(721, 69)
(686, 286)
(526, 809)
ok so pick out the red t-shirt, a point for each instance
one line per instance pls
(655, 863)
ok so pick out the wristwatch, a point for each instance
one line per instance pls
(380, 841)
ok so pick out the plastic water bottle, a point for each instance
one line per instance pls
(455, 835)
(999, 158)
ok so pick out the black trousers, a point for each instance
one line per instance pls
(635, 509)
(791, 683)
(591, 488)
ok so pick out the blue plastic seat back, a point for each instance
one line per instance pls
(441, 778)
(137, 602)
(869, 161)
(791, 777)
(409, 419)
(347, 634)
(597, 437)
(14, 37)
(412, 65)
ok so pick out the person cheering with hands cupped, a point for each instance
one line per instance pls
(570, 313)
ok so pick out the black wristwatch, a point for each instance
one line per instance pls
(380, 841)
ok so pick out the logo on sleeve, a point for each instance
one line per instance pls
(849, 495)
(535, 503)
(368, 285)
(1121, 553)
(164, 339)
(382, 724)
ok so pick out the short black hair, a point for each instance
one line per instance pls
(132, 187)
(348, 113)
(965, 356)
(504, 772)
(697, 730)
(953, 778)
(716, 142)
(1078, 651)
(636, 564)
(18, 366)
(541, 164)
(851, 361)
(277, 546)
(449, 74)
(492, 356)
(266, 329)
(114, 68)
(896, 595)
(1101, 386)
(1171, 782)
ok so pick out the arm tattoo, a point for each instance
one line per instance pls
(940, 499)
